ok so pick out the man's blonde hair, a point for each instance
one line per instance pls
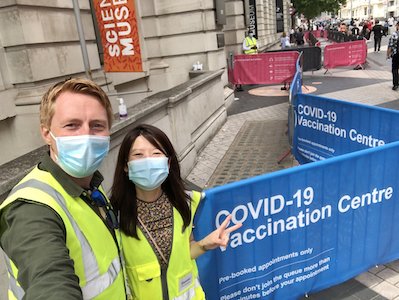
(73, 85)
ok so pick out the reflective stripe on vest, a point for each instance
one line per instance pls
(190, 294)
(95, 283)
(14, 287)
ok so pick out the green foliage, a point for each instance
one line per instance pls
(313, 8)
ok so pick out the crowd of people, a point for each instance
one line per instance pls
(349, 30)
(366, 28)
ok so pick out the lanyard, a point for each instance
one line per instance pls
(152, 240)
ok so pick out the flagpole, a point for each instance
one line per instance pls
(82, 40)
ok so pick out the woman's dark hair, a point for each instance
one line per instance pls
(123, 191)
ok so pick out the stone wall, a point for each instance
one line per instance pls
(39, 45)
(190, 114)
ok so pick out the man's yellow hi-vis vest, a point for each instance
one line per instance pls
(144, 273)
(250, 42)
(90, 244)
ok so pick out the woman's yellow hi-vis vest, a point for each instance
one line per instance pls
(144, 273)
(91, 245)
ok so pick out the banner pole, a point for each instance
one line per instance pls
(82, 40)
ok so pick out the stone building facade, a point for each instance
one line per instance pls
(39, 45)
(363, 10)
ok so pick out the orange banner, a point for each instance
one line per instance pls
(119, 35)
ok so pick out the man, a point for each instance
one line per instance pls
(249, 45)
(343, 28)
(355, 30)
(292, 35)
(370, 24)
(385, 28)
(378, 32)
(57, 227)
(299, 37)
(390, 24)
(392, 52)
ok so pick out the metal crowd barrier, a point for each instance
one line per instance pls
(311, 57)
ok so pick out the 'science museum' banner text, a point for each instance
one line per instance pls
(119, 35)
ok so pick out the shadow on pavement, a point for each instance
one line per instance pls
(247, 102)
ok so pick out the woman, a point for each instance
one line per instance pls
(365, 32)
(284, 41)
(156, 216)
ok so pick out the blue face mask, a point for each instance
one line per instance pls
(148, 173)
(81, 155)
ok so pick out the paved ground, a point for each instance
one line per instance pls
(253, 140)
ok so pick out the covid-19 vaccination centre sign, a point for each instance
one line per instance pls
(316, 225)
(327, 127)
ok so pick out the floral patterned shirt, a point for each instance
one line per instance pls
(157, 216)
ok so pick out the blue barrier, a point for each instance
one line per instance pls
(327, 127)
(316, 225)
(305, 228)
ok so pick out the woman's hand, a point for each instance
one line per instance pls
(219, 237)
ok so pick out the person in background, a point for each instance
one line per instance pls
(370, 24)
(378, 31)
(156, 218)
(386, 27)
(350, 26)
(58, 229)
(249, 45)
(292, 35)
(343, 28)
(365, 33)
(355, 30)
(321, 28)
(284, 41)
(391, 24)
(299, 37)
(392, 53)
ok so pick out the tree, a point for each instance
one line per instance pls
(313, 8)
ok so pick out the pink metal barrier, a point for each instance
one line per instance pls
(345, 54)
(263, 68)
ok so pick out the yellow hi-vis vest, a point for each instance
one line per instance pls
(250, 42)
(147, 280)
(91, 245)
